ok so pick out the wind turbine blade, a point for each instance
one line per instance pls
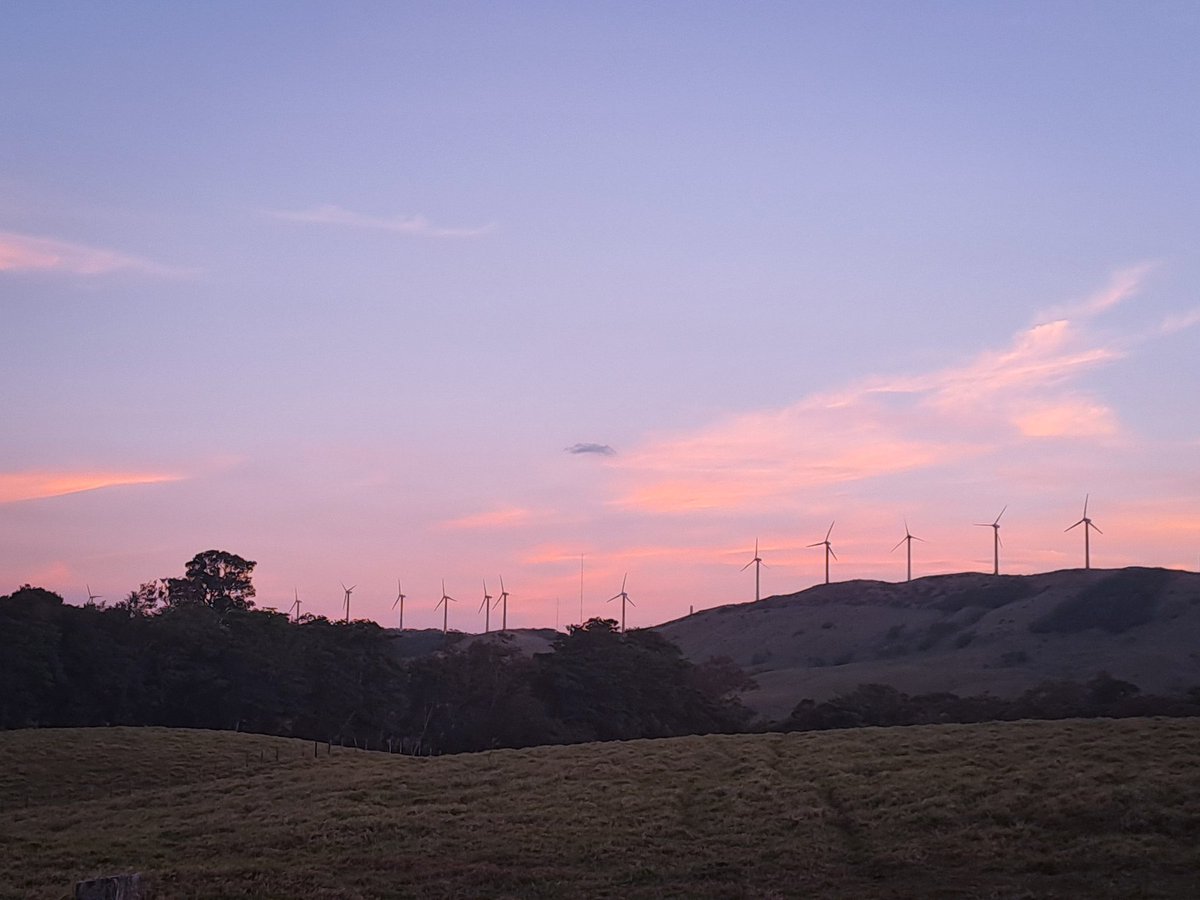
(983, 524)
(629, 600)
(502, 584)
(817, 544)
(830, 531)
(612, 598)
(997, 522)
(1096, 527)
(1085, 503)
(748, 565)
(915, 538)
(898, 543)
(624, 578)
(1076, 525)
(831, 553)
(763, 564)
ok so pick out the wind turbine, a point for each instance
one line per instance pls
(486, 608)
(828, 549)
(908, 539)
(503, 601)
(624, 598)
(295, 606)
(444, 603)
(758, 564)
(348, 591)
(400, 595)
(1087, 528)
(92, 598)
(996, 543)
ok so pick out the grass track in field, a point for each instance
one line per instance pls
(1027, 809)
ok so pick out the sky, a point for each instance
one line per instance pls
(373, 293)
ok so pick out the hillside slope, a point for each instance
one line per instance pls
(964, 633)
(1047, 809)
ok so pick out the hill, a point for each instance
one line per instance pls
(1047, 809)
(964, 633)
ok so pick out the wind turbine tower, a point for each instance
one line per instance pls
(908, 539)
(624, 598)
(996, 542)
(486, 608)
(444, 603)
(828, 549)
(1088, 526)
(349, 591)
(399, 601)
(503, 601)
(757, 563)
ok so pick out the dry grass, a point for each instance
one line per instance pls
(1028, 809)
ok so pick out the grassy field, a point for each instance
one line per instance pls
(1027, 809)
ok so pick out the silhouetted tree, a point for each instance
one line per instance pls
(214, 578)
(149, 596)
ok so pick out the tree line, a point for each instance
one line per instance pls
(882, 705)
(193, 652)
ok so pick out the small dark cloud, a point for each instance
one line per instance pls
(602, 449)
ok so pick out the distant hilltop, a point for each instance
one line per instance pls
(965, 633)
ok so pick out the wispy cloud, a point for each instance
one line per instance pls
(496, 518)
(599, 449)
(415, 225)
(1179, 322)
(17, 486)
(31, 253)
(883, 426)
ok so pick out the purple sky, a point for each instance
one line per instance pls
(340, 288)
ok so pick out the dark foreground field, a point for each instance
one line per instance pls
(1027, 809)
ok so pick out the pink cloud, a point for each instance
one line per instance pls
(1067, 418)
(28, 253)
(882, 427)
(17, 486)
(496, 518)
(1122, 284)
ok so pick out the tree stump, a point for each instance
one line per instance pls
(112, 887)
